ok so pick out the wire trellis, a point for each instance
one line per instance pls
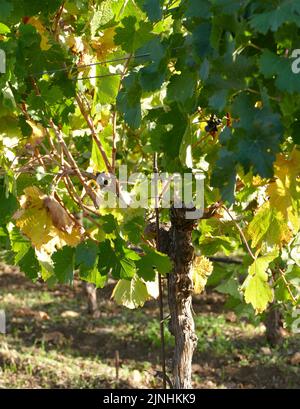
(82, 66)
(78, 67)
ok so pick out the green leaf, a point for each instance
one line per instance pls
(86, 254)
(197, 8)
(212, 245)
(109, 223)
(3, 28)
(93, 276)
(182, 87)
(230, 287)
(133, 35)
(29, 264)
(153, 9)
(117, 261)
(227, 7)
(131, 294)
(107, 87)
(19, 244)
(5, 9)
(201, 39)
(204, 70)
(167, 136)
(107, 257)
(97, 161)
(8, 204)
(125, 268)
(253, 142)
(271, 20)
(64, 264)
(102, 16)
(258, 135)
(218, 100)
(185, 152)
(261, 264)
(271, 66)
(153, 75)
(129, 101)
(133, 226)
(151, 262)
(224, 175)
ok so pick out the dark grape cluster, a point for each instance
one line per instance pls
(212, 124)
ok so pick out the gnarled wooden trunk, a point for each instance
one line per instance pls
(180, 287)
(91, 292)
(273, 325)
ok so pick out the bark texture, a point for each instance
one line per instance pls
(273, 323)
(180, 288)
(91, 292)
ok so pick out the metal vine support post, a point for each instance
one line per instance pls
(160, 285)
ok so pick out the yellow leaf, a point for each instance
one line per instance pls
(258, 181)
(258, 293)
(284, 193)
(35, 221)
(269, 227)
(257, 289)
(38, 133)
(202, 269)
(105, 44)
(35, 22)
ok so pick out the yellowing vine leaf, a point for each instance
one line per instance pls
(131, 294)
(47, 227)
(258, 181)
(258, 293)
(257, 289)
(105, 44)
(202, 269)
(269, 228)
(36, 22)
(284, 193)
(38, 133)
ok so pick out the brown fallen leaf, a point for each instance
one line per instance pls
(70, 314)
(231, 316)
(27, 312)
(55, 337)
(295, 360)
(266, 350)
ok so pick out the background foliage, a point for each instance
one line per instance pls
(207, 85)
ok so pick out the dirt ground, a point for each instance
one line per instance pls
(52, 342)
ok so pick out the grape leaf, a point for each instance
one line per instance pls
(29, 264)
(131, 294)
(64, 264)
(133, 34)
(151, 262)
(86, 254)
(129, 101)
(257, 290)
(153, 9)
